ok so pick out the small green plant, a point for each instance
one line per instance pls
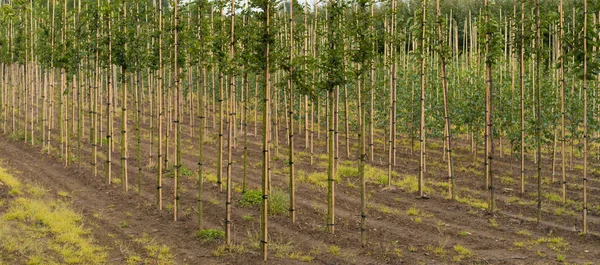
(278, 200)
(220, 251)
(523, 233)
(463, 233)
(382, 180)
(212, 178)
(248, 217)
(334, 250)
(463, 251)
(413, 211)
(183, 172)
(251, 198)
(513, 199)
(210, 235)
(560, 257)
(493, 223)
(346, 171)
(123, 224)
(133, 260)
(439, 251)
(507, 180)
(385, 210)
(412, 248)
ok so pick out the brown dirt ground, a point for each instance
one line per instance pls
(395, 237)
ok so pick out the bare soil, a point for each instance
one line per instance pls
(394, 235)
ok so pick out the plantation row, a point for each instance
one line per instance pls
(513, 74)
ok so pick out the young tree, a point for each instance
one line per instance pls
(585, 117)
(160, 109)
(443, 53)
(231, 127)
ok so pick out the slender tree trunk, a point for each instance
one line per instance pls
(231, 135)
(178, 115)
(522, 87)
(562, 102)
(489, 149)
(292, 184)
(422, 127)
(160, 109)
(539, 111)
(585, 127)
(109, 116)
(448, 134)
(265, 146)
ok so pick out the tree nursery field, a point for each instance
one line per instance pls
(289, 132)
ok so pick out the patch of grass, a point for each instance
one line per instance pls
(554, 243)
(282, 250)
(301, 257)
(438, 251)
(220, 251)
(462, 253)
(318, 179)
(123, 224)
(382, 180)
(346, 172)
(553, 197)
(248, 218)
(398, 252)
(351, 184)
(377, 175)
(278, 200)
(36, 191)
(526, 202)
(507, 180)
(493, 223)
(463, 233)
(251, 198)
(334, 250)
(158, 254)
(133, 260)
(213, 201)
(519, 244)
(560, 257)
(183, 172)
(212, 178)
(10, 181)
(210, 235)
(63, 194)
(412, 249)
(523, 233)
(48, 232)
(413, 211)
(418, 220)
(513, 199)
(408, 183)
(385, 210)
(473, 202)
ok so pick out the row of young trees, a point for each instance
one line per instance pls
(65, 61)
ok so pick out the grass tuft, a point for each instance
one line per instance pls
(210, 235)
(278, 200)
